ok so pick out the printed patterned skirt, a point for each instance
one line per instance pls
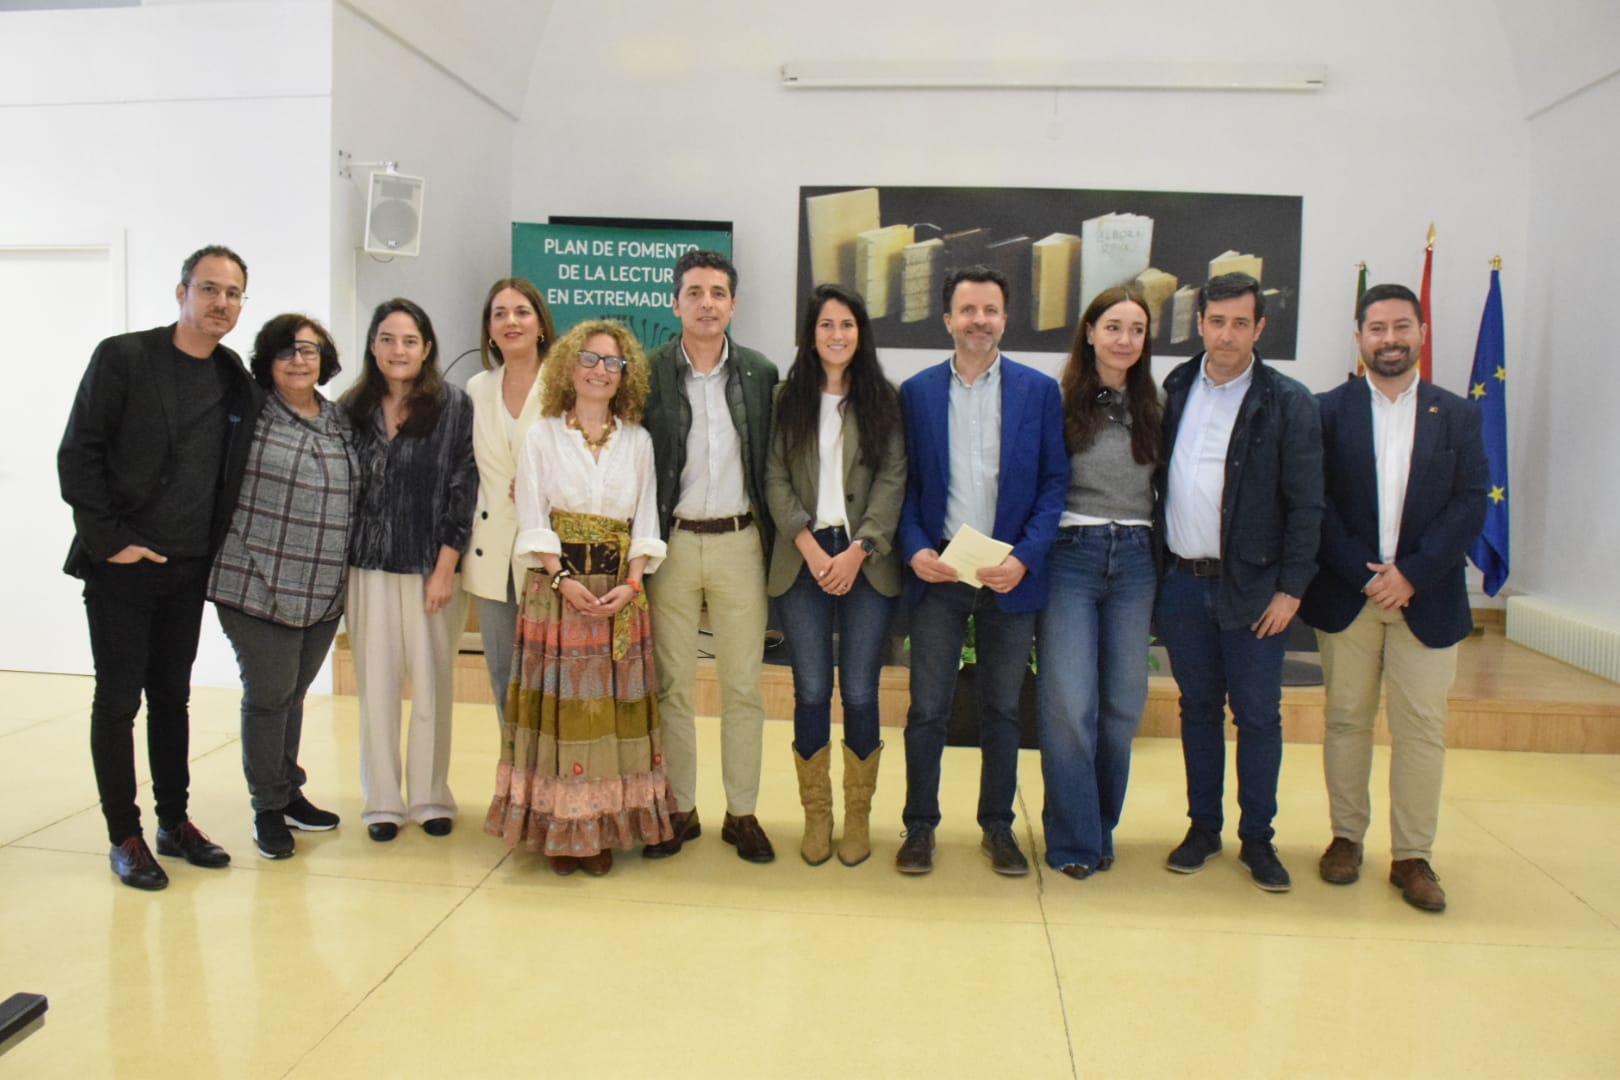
(582, 764)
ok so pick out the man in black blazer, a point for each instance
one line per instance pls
(151, 463)
(1405, 484)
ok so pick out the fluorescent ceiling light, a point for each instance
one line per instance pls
(1010, 75)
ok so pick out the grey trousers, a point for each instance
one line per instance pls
(277, 664)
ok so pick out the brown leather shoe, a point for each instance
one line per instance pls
(748, 836)
(686, 826)
(562, 865)
(598, 864)
(1418, 884)
(1341, 862)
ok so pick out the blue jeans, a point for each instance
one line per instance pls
(1212, 666)
(809, 617)
(1093, 657)
(938, 624)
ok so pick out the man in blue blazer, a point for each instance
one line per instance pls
(1405, 484)
(984, 448)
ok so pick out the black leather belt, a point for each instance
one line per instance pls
(716, 525)
(1197, 567)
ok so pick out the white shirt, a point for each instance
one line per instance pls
(1192, 508)
(556, 471)
(712, 484)
(830, 477)
(1394, 428)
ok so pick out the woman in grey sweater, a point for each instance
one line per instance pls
(1092, 636)
(278, 580)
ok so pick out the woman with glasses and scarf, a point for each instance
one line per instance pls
(582, 767)
(278, 581)
(1092, 636)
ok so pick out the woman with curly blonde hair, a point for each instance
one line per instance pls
(582, 767)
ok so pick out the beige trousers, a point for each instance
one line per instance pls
(727, 570)
(392, 637)
(1378, 648)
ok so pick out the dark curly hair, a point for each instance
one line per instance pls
(278, 334)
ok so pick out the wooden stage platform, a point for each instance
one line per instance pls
(1506, 697)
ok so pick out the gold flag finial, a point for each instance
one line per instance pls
(1496, 262)
(1431, 236)
(1362, 265)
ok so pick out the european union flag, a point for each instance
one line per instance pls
(1487, 386)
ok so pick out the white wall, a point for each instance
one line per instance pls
(666, 115)
(391, 102)
(1564, 440)
(161, 136)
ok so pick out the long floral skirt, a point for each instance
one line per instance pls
(582, 765)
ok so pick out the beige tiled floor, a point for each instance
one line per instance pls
(452, 958)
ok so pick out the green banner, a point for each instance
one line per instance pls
(588, 271)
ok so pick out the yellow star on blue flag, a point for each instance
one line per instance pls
(1490, 551)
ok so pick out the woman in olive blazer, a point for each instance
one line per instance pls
(834, 481)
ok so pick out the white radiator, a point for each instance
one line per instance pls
(1568, 634)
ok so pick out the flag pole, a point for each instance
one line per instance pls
(1361, 286)
(1426, 362)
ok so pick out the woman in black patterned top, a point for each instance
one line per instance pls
(406, 608)
(278, 580)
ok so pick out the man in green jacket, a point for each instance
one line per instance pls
(709, 414)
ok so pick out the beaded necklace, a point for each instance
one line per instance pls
(601, 440)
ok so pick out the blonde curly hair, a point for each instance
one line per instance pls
(557, 374)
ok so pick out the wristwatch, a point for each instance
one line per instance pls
(867, 546)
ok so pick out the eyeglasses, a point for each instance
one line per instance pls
(304, 349)
(1113, 406)
(612, 363)
(210, 291)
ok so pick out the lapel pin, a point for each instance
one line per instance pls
(1434, 408)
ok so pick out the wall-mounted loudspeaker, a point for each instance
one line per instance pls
(394, 214)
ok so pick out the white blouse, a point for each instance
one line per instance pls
(556, 469)
(830, 509)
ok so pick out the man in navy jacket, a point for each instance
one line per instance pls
(1240, 511)
(1405, 486)
(984, 448)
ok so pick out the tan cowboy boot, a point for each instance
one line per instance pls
(815, 792)
(860, 781)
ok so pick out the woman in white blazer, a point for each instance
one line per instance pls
(506, 403)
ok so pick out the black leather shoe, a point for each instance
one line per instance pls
(686, 826)
(382, 831)
(186, 840)
(439, 826)
(748, 837)
(917, 852)
(1002, 847)
(132, 861)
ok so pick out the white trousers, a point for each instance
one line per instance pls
(393, 637)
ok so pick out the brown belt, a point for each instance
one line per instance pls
(716, 525)
(1197, 567)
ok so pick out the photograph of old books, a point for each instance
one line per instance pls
(1058, 247)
